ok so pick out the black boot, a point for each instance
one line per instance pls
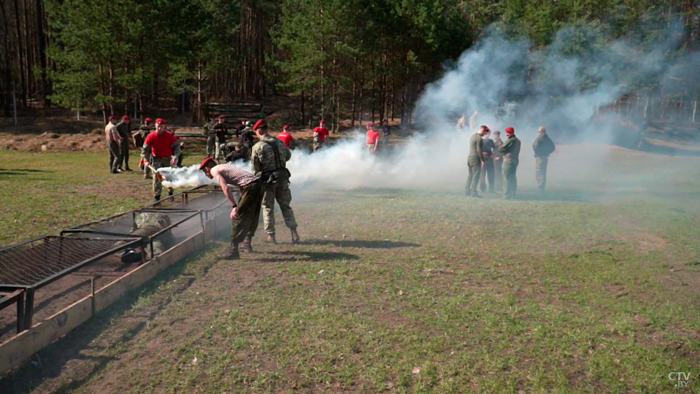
(231, 253)
(246, 246)
(295, 235)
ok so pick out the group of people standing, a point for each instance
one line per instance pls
(497, 161)
(268, 182)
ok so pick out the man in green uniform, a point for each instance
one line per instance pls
(475, 162)
(221, 132)
(487, 149)
(269, 157)
(139, 136)
(498, 161)
(543, 147)
(210, 134)
(511, 153)
(161, 149)
(245, 214)
(124, 130)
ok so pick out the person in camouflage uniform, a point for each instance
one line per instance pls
(487, 149)
(139, 136)
(221, 132)
(209, 132)
(543, 147)
(145, 225)
(161, 149)
(511, 154)
(247, 137)
(269, 157)
(498, 161)
(124, 129)
(475, 162)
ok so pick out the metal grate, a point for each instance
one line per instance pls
(35, 261)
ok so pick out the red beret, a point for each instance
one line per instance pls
(509, 130)
(220, 117)
(370, 124)
(160, 120)
(125, 117)
(322, 121)
(148, 120)
(260, 123)
(205, 162)
(285, 127)
(112, 117)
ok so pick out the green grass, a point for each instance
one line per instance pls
(410, 292)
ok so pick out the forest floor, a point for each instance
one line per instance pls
(403, 291)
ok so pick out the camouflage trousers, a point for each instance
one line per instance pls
(487, 173)
(510, 168)
(248, 209)
(278, 192)
(211, 145)
(498, 174)
(318, 145)
(541, 172)
(124, 158)
(156, 163)
(471, 188)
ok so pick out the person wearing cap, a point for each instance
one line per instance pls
(221, 132)
(320, 134)
(139, 136)
(285, 137)
(543, 147)
(124, 129)
(235, 151)
(511, 154)
(475, 160)
(497, 161)
(161, 149)
(210, 134)
(487, 149)
(247, 137)
(269, 157)
(113, 141)
(372, 138)
(245, 214)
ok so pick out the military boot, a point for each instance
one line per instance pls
(295, 235)
(271, 238)
(231, 253)
(246, 246)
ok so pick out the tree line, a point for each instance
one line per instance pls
(340, 58)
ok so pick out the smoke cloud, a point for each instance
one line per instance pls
(510, 83)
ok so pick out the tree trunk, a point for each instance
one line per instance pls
(6, 56)
(303, 114)
(20, 58)
(111, 88)
(41, 39)
(354, 94)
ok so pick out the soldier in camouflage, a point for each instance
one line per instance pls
(269, 157)
(139, 137)
(475, 162)
(124, 129)
(487, 149)
(511, 154)
(498, 161)
(543, 147)
(209, 132)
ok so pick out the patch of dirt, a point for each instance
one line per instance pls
(641, 241)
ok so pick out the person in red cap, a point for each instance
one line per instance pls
(285, 137)
(511, 155)
(139, 136)
(320, 134)
(161, 149)
(124, 129)
(269, 157)
(113, 142)
(245, 214)
(372, 138)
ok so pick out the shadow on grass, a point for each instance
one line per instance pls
(49, 362)
(19, 171)
(560, 195)
(361, 244)
(306, 256)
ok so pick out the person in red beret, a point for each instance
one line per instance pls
(270, 157)
(372, 138)
(124, 130)
(511, 158)
(320, 134)
(285, 137)
(161, 149)
(139, 136)
(245, 214)
(113, 143)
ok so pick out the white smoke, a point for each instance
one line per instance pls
(184, 177)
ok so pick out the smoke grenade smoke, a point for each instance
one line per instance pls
(510, 83)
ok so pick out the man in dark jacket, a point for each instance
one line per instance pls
(543, 147)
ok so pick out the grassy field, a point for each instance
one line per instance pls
(392, 291)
